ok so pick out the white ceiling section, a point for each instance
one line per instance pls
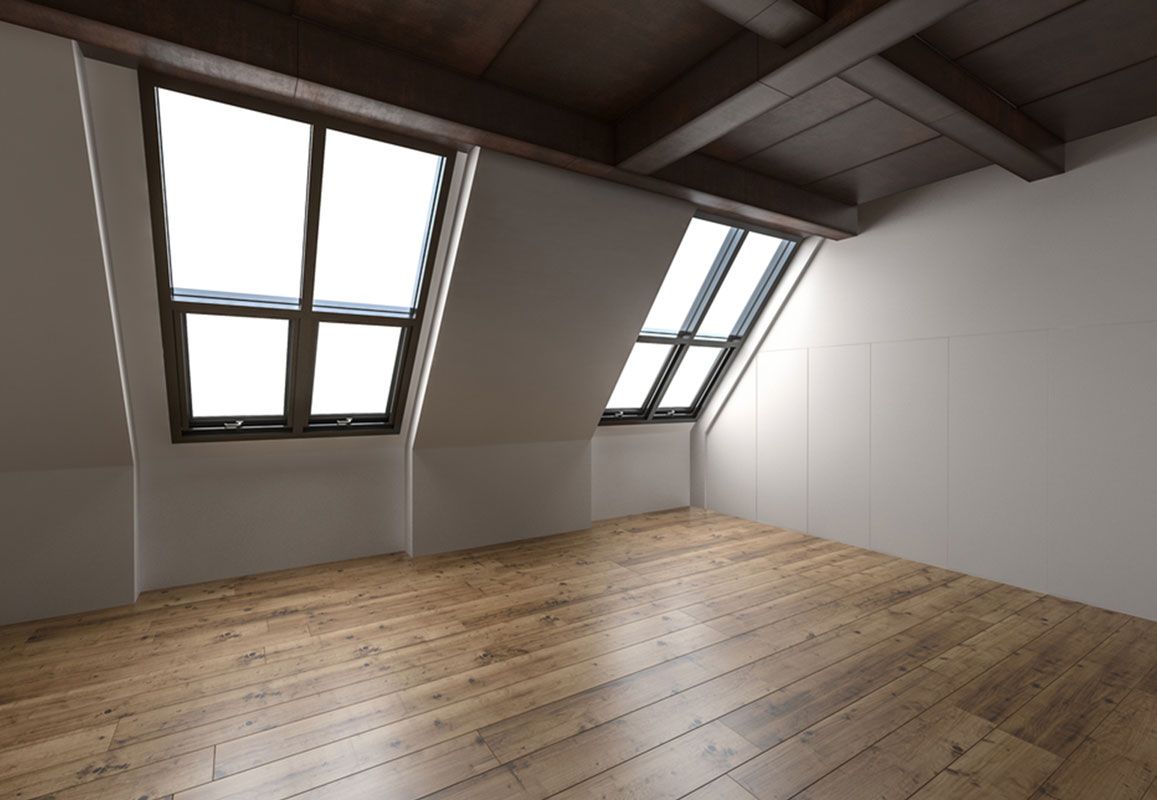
(553, 277)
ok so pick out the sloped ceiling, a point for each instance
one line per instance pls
(553, 277)
(62, 404)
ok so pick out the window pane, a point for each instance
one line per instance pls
(235, 194)
(354, 368)
(376, 206)
(689, 268)
(237, 365)
(742, 279)
(639, 375)
(689, 378)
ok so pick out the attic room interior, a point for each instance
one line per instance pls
(527, 399)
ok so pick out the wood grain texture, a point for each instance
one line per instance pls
(681, 654)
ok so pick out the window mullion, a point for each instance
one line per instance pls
(714, 280)
(763, 290)
(664, 381)
(306, 334)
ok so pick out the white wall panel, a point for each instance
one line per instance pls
(1047, 294)
(1103, 466)
(998, 443)
(838, 444)
(731, 453)
(487, 494)
(910, 449)
(782, 423)
(639, 468)
(66, 541)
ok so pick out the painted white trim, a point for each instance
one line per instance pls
(442, 271)
(110, 284)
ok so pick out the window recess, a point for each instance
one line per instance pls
(718, 283)
(293, 260)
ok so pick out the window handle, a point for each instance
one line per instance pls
(233, 425)
(344, 421)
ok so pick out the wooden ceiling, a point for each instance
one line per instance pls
(785, 112)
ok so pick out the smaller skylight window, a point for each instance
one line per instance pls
(376, 200)
(718, 282)
(740, 285)
(235, 187)
(690, 267)
(237, 365)
(690, 377)
(354, 368)
(638, 376)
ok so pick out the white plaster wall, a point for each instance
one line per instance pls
(552, 277)
(839, 450)
(982, 363)
(640, 468)
(477, 495)
(66, 488)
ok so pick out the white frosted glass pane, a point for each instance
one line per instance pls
(741, 281)
(693, 371)
(639, 375)
(376, 203)
(237, 365)
(235, 195)
(354, 368)
(685, 277)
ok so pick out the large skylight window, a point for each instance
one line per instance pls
(293, 255)
(718, 282)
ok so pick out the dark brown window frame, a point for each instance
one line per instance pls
(303, 317)
(650, 411)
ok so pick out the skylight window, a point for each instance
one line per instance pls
(376, 200)
(690, 267)
(718, 282)
(242, 176)
(638, 376)
(293, 259)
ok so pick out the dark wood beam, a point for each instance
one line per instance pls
(914, 78)
(260, 51)
(312, 67)
(705, 103)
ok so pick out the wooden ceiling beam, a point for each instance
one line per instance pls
(709, 101)
(914, 78)
(257, 50)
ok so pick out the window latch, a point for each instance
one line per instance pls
(232, 425)
(344, 421)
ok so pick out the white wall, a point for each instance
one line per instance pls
(971, 381)
(486, 494)
(552, 277)
(640, 468)
(66, 480)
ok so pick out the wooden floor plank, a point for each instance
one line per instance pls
(677, 654)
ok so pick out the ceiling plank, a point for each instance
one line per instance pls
(307, 66)
(704, 104)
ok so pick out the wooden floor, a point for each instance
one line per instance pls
(680, 654)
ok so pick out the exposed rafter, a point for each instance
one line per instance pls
(908, 75)
(705, 104)
(247, 47)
